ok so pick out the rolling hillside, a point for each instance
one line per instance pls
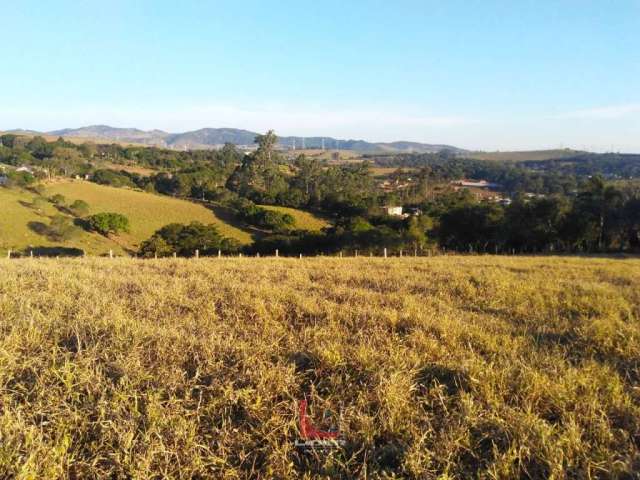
(214, 137)
(147, 212)
(20, 221)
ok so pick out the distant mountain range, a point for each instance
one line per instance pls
(207, 138)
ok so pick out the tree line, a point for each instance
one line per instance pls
(573, 213)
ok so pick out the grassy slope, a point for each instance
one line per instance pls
(523, 156)
(450, 366)
(147, 212)
(304, 220)
(386, 171)
(15, 234)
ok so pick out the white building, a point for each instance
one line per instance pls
(393, 211)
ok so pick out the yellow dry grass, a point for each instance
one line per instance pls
(524, 156)
(304, 220)
(386, 171)
(446, 367)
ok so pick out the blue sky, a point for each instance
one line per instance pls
(476, 74)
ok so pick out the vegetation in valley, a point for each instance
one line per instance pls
(448, 367)
(267, 200)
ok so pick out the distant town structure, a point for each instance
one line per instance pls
(475, 183)
(393, 211)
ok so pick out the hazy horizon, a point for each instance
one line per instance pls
(480, 76)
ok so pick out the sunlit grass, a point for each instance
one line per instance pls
(450, 367)
(18, 217)
(146, 212)
(304, 220)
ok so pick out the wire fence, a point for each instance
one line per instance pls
(196, 254)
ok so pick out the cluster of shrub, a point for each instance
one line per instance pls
(600, 218)
(263, 218)
(61, 157)
(185, 240)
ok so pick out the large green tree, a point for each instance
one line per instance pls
(184, 240)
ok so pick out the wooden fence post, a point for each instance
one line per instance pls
(356, 253)
(155, 255)
(175, 255)
(400, 252)
(340, 253)
(219, 253)
(31, 253)
(197, 253)
(277, 253)
(385, 252)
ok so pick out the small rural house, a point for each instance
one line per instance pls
(393, 211)
(475, 183)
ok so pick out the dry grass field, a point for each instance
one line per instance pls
(304, 220)
(524, 156)
(443, 367)
(386, 171)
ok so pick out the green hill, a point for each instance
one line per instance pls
(22, 223)
(20, 220)
(147, 212)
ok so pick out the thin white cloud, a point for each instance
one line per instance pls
(602, 113)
